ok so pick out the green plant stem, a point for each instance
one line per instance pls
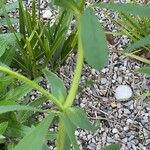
(138, 58)
(77, 74)
(32, 84)
(61, 134)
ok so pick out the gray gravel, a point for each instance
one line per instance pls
(127, 123)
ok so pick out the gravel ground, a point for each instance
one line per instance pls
(127, 123)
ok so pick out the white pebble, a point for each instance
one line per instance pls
(115, 130)
(123, 92)
(126, 128)
(47, 14)
(103, 81)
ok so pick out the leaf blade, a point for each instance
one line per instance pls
(9, 108)
(112, 147)
(126, 8)
(57, 86)
(35, 139)
(145, 70)
(79, 118)
(93, 40)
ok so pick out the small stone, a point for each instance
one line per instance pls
(113, 104)
(93, 71)
(115, 130)
(131, 138)
(129, 121)
(131, 107)
(123, 92)
(47, 14)
(103, 81)
(126, 111)
(124, 140)
(110, 140)
(134, 147)
(119, 79)
(126, 128)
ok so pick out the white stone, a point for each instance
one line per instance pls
(47, 14)
(126, 128)
(103, 81)
(115, 130)
(123, 92)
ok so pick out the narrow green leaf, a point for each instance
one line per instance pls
(62, 141)
(145, 70)
(21, 18)
(36, 138)
(3, 127)
(24, 115)
(57, 86)
(18, 92)
(112, 147)
(9, 108)
(67, 4)
(93, 40)
(69, 127)
(79, 118)
(140, 43)
(141, 10)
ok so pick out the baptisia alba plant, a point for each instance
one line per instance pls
(91, 46)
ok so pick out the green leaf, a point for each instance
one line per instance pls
(9, 108)
(112, 147)
(57, 86)
(67, 4)
(8, 56)
(3, 127)
(17, 130)
(62, 141)
(6, 40)
(145, 70)
(93, 40)
(79, 118)
(12, 20)
(127, 8)
(2, 138)
(142, 42)
(18, 92)
(9, 7)
(36, 138)
(70, 129)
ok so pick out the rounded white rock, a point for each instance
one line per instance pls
(47, 14)
(123, 92)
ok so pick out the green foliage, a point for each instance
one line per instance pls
(126, 8)
(7, 40)
(3, 127)
(39, 41)
(112, 147)
(36, 138)
(53, 44)
(136, 28)
(93, 40)
(57, 86)
(145, 70)
(79, 119)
